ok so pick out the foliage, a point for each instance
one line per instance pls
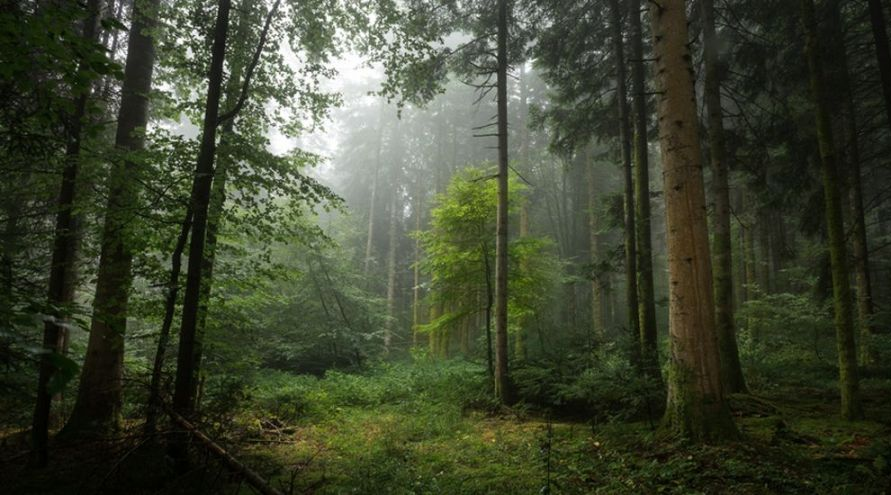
(787, 339)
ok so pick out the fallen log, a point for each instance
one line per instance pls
(251, 476)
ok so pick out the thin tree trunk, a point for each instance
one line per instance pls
(851, 407)
(372, 202)
(731, 371)
(416, 268)
(154, 398)
(220, 179)
(646, 293)
(391, 271)
(696, 406)
(62, 270)
(186, 370)
(502, 374)
(625, 137)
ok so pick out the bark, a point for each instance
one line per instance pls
(187, 370)
(490, 303)
(625, 136)
(235, 88)
(851, 407)
(855, 189)
(392, 240)
(598, 317)
(883, 52)
(372, 202)
(62, 269)
(521, 334)
(154, 399)
(646, 294)
(731, 371)
(416, 269)
(696, 406)
(502, 374)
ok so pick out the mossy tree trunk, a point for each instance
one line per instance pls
(646, 292)
(625, 135)
(502, 374)
(851, 407)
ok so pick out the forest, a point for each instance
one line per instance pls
(445, 247)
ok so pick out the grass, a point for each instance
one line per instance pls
(432, 428)
(429, 429)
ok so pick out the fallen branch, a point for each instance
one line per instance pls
(249, 475)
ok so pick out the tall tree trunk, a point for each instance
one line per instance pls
(731, 371)
(392, 240)
(490, 303)
(521, 334)
(416, 266)
(99, 398)
(646, 294)
(598, 320)
(186, 370)
(883, 52)
(62, 270)
(372, 202)
(220, 179)
(851, 407)
(625, 136)
(855, 188)
(696, 406)
(502, 375)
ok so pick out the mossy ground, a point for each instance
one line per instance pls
(404, 431)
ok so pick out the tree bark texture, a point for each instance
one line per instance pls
(696, 406)
(851, 407)
(646, 295)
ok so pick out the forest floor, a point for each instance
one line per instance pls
(425, 429)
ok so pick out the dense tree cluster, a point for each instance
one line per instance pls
(527, 184)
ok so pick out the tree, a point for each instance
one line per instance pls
(502, 373)
(99, 398)
(625, 137)
(640, 118)
(731, 371)
(696, 406)
(63, 266)
(849, 382)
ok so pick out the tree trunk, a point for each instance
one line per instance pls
(851, 407)
(598, 323)
(99, 398)
(153, 409)
(883, 52)
(369, 241)
(731, 371)
(855, 188)
(391, 269)
(646, 295)
(62, 270)
(696, 407)
(186, 370)
(625, 137)
(416, 267)
(502, 375)
(220, 177)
